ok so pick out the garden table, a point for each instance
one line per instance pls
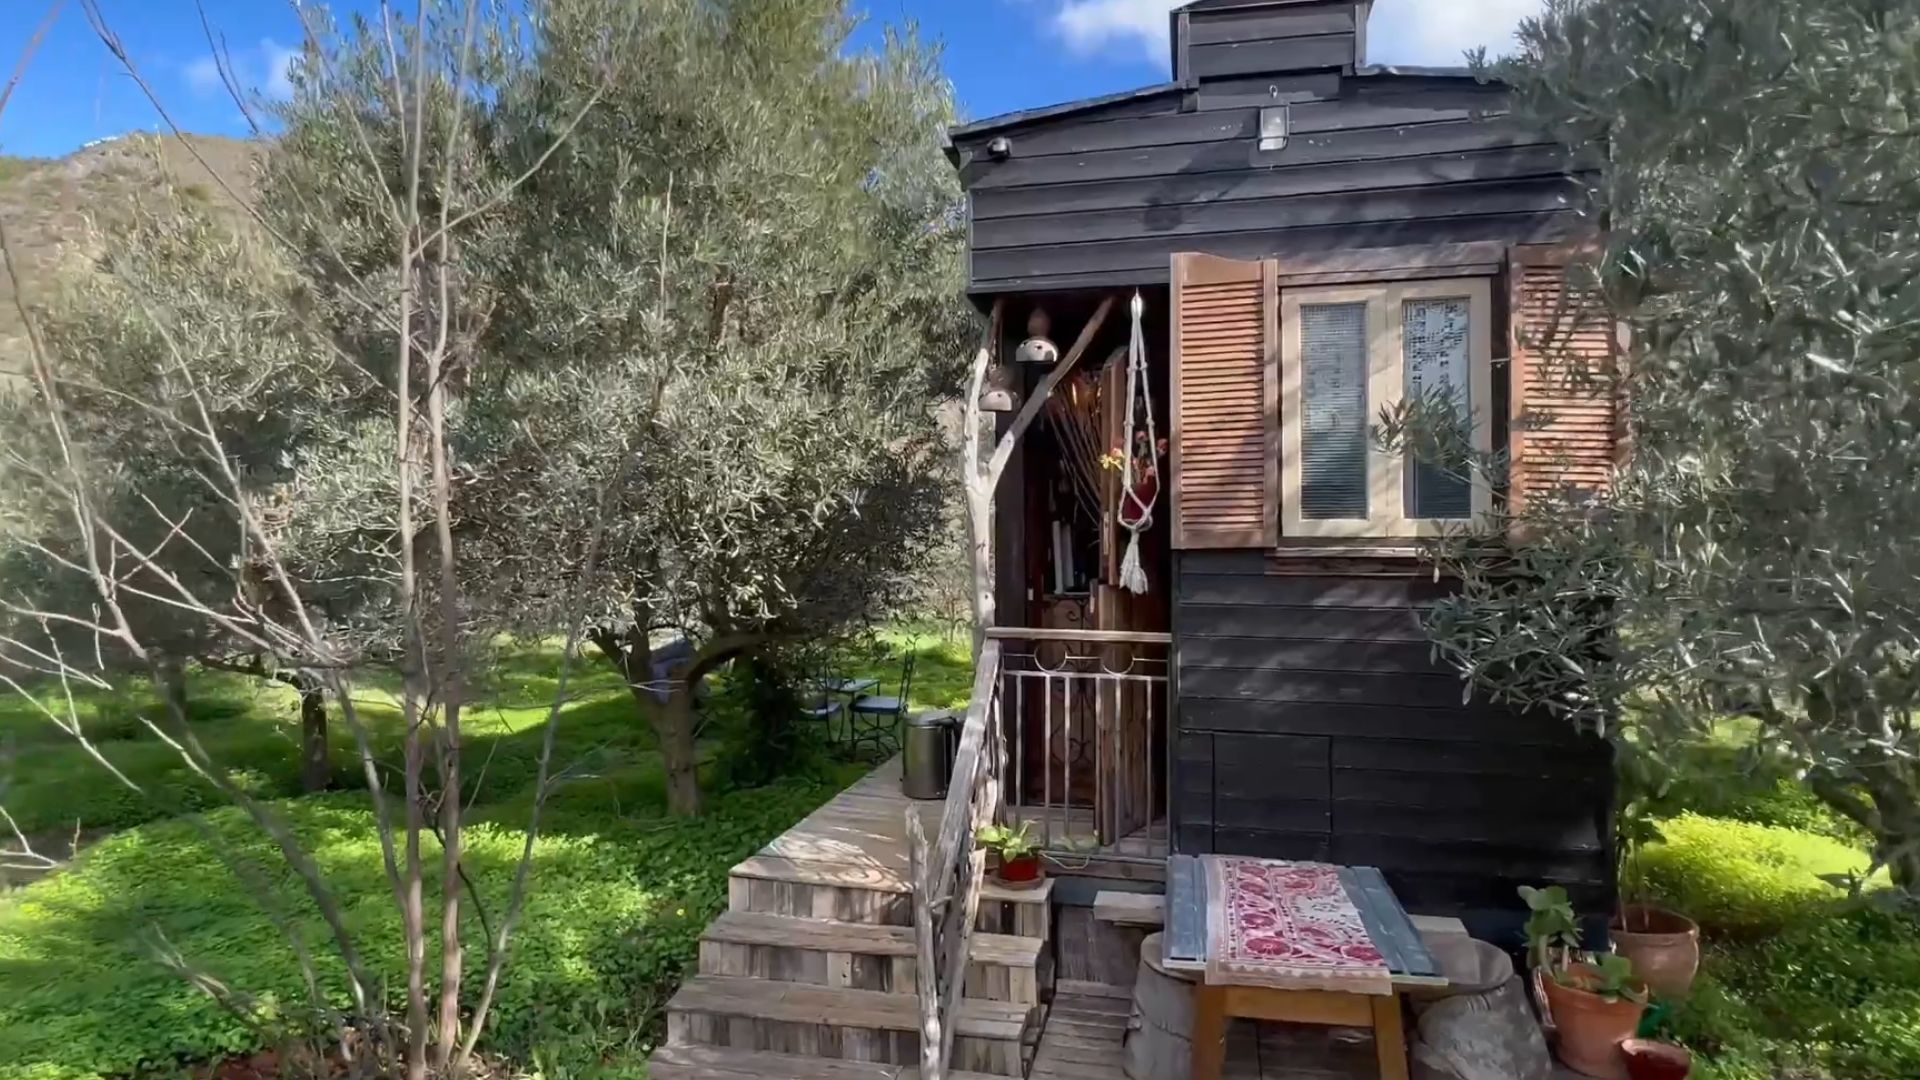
(1292, 942)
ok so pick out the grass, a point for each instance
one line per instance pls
(51, 784)
(621, 890)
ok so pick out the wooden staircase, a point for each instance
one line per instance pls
(810, 973)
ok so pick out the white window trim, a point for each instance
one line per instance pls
(1386, 383)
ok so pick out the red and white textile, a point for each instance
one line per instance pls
(1287, 926)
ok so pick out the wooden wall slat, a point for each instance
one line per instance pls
(1217, 28)
(1271, 54)
(1527, 195)
(1353, 145)
(1285, 244)
(1320, 683)
(1181, 192)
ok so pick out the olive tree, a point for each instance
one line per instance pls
(731, 296)
(266, 379)
(1760, 549)
(265, 449)
(759, 316)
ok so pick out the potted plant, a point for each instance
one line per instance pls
(1650, 1059)
(1593, 1000)
(1015, 856)
(1664, 945)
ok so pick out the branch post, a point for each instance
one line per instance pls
(983, 479)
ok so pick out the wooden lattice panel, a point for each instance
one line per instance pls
(1225, 403)
(1566, 431)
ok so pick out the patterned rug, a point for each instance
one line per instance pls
(1289, 926)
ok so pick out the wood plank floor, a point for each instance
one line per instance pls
(1086, 1029)
(860, 835)
(1072, 829)
(863, 829)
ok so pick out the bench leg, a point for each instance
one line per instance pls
(1209, 1032)
(1389, 1039)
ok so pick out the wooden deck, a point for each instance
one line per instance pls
(860, 833)
(1088, 1023)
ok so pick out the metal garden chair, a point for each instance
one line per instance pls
(875, 719)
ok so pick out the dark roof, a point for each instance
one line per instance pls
(1442, 72)
(1004, 121)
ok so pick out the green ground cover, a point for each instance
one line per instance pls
(621, 890)
(1798, 980)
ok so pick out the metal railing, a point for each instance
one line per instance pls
(949, 872)
(1086, 716)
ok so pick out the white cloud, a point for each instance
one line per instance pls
(1423, 32)
(1098, 26)
(203, 76)
(266, 69)
(279, 60)
(1437, 32)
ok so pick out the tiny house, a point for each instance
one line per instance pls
(1247, 264)
(1207, 568)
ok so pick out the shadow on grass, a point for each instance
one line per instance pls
(251, 727)
(621, 890)
(610, 926)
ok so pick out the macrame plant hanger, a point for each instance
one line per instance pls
(1139, 494)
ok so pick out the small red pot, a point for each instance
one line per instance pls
(1649, 1060)
(1023, 871)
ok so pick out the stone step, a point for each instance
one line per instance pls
(722, 1063)
(830, 1022)
(863, 956)
(774, 885)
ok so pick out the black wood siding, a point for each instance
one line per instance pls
(1241, 40)
(1314, 724)
(1107, 195)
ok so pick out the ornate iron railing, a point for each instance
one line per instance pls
(1086, 720)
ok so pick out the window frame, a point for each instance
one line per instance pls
(1388, 475)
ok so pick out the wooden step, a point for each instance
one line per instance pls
(722, 1063)
(775, 885)
(830, 1022)
(862, 956)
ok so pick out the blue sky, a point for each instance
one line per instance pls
(1002, 55)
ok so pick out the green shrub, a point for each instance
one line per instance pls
(1836, 995)
(1744, 880)
(1730, 777)
(612, 923)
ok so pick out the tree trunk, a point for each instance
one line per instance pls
(171, 674)
(674, 728)
(1889, 811)
(316, 770)
(670, 715)
(1896, 826)
(980, 537)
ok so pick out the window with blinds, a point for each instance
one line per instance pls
(1333, 411)
(1347, 353)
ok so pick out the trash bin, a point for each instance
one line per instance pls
(927, 764)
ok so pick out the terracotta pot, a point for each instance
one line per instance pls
(1663, 945)
(1024, 872)
(1649, 1060)
(1590, 1028)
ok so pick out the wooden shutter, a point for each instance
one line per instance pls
(1226, 403)
(1567, 421)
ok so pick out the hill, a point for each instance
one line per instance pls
(50, 205)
